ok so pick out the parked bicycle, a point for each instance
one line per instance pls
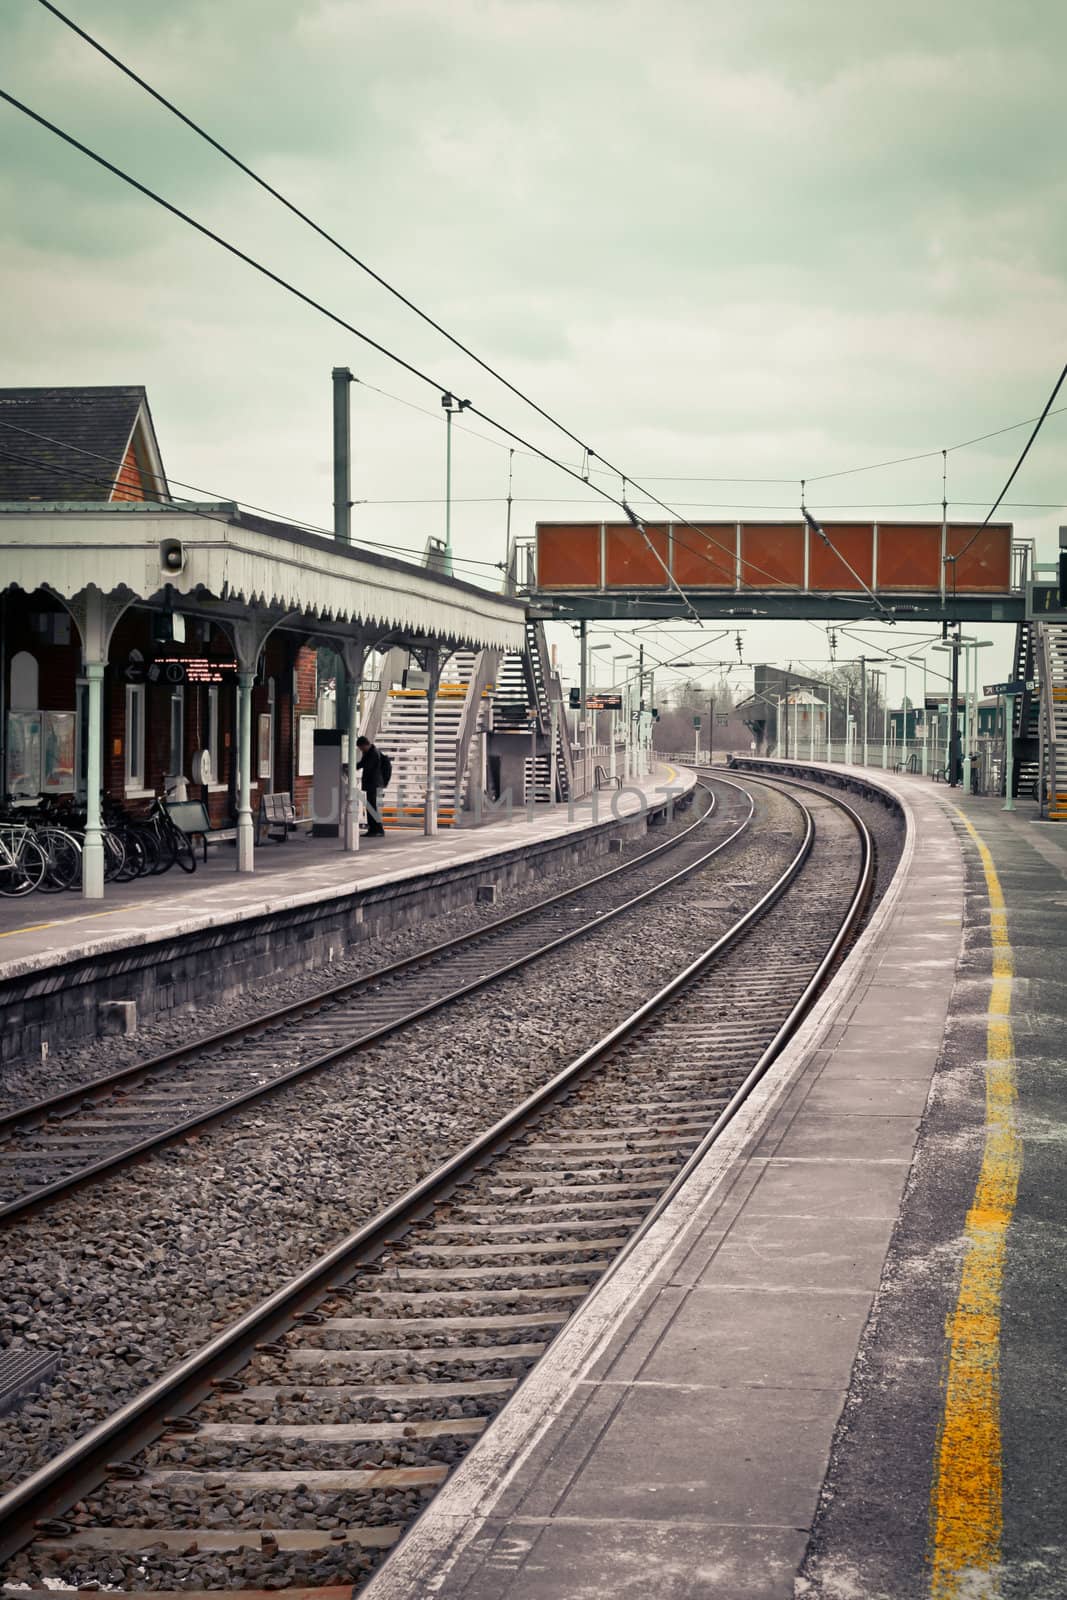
(22, 861)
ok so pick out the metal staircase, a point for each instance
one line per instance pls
(402, 736)
(1051, 650)
(1026, 731)
(526, 685)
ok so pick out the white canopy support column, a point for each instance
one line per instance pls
(246, 831)
(354, 655)
(248, 641)
(95, 615)
(432, 667)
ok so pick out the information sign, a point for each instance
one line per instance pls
(177, 667)
(1016, 686)
(696, 722)
(371, 685)
(603, 702)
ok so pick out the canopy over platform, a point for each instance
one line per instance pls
(227, 564)
(249, 576)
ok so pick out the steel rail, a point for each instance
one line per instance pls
(81, 1466)
(37, 1199)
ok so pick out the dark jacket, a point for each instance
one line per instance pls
(370, 765)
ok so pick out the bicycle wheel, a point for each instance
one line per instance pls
(132, 864)
(114, 854)
(166, 851)
(184, 854)
(63, 860)
(22, 866)
(145, 849)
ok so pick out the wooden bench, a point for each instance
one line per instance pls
(277, 814)
(192, 818)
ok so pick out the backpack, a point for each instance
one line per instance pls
(386, 768)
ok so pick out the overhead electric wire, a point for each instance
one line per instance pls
(186, 508)
(1012, 474)
(431, 321)
(310, 221)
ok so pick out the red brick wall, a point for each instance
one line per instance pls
(288, 661)
(129, 484)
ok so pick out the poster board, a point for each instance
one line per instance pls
(263, 745)
(58, 747)
(305, 749)
(23, 753)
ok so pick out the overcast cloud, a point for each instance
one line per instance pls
(723, 241)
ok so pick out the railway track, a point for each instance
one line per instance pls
(363, 1381)
(54, 1145)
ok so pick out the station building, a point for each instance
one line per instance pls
(151, 645)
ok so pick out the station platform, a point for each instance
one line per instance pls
(40, 929)
(182, 939)
(831, 1366)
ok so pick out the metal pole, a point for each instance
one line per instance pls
(93, 850)
(953, 720)
(553, 735)
(245, 829)
(351, 818)
(583, 690)
(429, 804)
(967, 721)
(696, 743)
(863, 679)
(342, 460)
(711, 729)
(904, 728)
(448, 491)
(1009, 753)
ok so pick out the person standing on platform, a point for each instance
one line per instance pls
(372, 783)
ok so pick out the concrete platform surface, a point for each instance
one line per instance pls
(832, 1364)
(39, 930)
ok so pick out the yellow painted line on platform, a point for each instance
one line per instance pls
(63, 922)
(966, 1511)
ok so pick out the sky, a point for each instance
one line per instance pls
(718, 242)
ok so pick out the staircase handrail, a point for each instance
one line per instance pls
(554, 690)
(484, 672)
(535, 633)
(374, 714)
(1048, 788)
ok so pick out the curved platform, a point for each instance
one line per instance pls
(824, 1368)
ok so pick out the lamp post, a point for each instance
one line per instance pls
(902, 666)
(956, 645)
(865, 662)
(628, 656)
(920, 661)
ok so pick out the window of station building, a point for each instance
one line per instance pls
(177, 732)
(212, 745)
(135, 740)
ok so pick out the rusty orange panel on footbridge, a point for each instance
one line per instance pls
(568, 555)
(772, 555)
(983, 562)
(705, 555)
(852, 546)
(629, 563)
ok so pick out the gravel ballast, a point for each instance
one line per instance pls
(125, 1280)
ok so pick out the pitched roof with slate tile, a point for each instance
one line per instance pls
(71, 444)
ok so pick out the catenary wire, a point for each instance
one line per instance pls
(310, 221)
(405, 300)
(185, 508)
(1012, 474)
